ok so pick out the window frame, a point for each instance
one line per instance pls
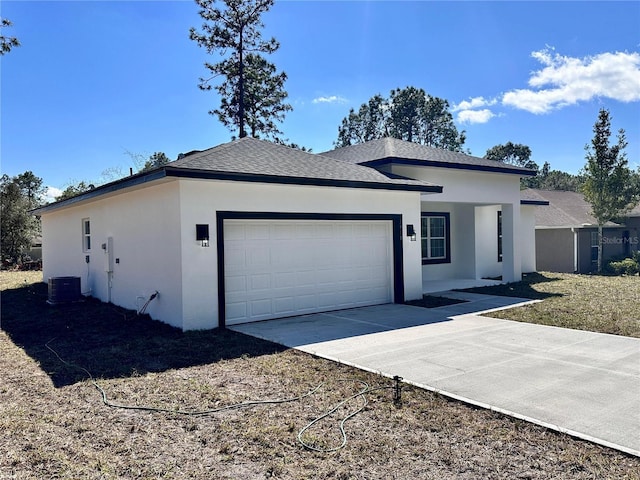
(86, 234)
(593, 241)
(447, 237)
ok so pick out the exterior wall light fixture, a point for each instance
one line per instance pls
(411, 232)
(202, 234)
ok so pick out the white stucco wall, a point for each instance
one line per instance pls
(528, 237)
(145, 226)
(153, 231)
(462, 229)
(473, 198)
(486, 247)
(200, 200)
(466, 186)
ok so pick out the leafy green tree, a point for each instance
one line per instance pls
(558, 180)
(608, 181)
(252, 93)
(7, 43)
(516, 154)
(369, 123)
(408, 114)
(512, 154)
(156, 160)
(74, 190)
(18, 227)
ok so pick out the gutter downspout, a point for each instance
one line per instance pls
(575, 249)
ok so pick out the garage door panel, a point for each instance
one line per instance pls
(257, 232)
(235, 284)
(306, 279)
(276, 268)
(234, 232)
(235, 260)
(284, 305)
(284, 279)
(235, 311)
(260, 281)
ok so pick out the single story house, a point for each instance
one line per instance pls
(250, 230)
(567, 233)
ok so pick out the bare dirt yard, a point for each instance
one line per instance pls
(55, 424)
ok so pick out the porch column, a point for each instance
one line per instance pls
(511, 261)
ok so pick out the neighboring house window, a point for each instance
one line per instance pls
(499, 236)
(594, 247)
(626, 242)
(86, 235)
(436, 242)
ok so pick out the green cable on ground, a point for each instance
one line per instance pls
(366, 388)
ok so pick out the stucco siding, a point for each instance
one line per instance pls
(616, 243)
(528, 237)
(200, 200)
(145, 227)
(474, 237)
(465, 185)
(488, 265)
(555, 250)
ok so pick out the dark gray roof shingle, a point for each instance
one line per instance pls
(565, 209)
(399, 151)
(258, 158)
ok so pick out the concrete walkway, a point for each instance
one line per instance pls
(582, 383)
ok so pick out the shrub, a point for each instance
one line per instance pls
(627, 266)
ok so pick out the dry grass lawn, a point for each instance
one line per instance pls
(54, 424)
(604, 304)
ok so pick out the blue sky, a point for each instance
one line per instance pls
(95, 80)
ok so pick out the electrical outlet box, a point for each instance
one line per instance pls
(108, 255)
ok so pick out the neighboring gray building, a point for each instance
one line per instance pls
(567, 233)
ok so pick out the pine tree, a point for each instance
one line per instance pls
(252, 93)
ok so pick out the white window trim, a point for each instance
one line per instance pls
(86, 236)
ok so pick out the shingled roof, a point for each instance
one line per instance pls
(392, 150)
(565, 209)
(258, 160)
(252, 160)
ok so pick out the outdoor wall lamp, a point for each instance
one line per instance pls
(411, 232)
(202, 234)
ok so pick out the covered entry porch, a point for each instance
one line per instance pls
(466, 245)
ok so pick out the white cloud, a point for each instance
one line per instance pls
(567, 80)
(475, 116)
(330, 99)
(476, 102)
(51, 193)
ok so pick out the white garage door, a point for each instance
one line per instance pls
(279, 268)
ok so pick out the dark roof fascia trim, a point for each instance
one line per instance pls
(457, 166)
(104, 189)
(542, 203)
(251, 177)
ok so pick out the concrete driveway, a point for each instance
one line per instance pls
(582, 383)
